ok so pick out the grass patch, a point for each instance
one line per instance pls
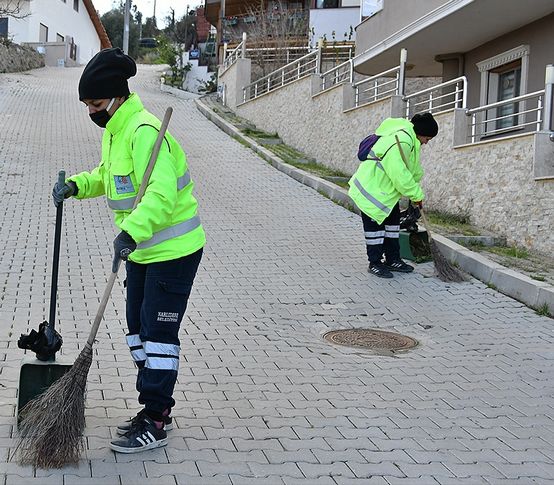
(457, 222)
(476, 245)
(259, 133)
(492, 287)
(511, 252)
(543, 310)
(538, 277)
(240, 140)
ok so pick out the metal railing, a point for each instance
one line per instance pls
(377, 87)
(238, 52)
(506, 116)
(337, 75)
(288, 54)
(293, 71)
(437, 99)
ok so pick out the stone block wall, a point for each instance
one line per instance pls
(15, 58)
(492, 182)
(316, 125)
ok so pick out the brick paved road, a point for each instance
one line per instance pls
(261, 398)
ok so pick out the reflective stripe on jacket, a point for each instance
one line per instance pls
(383, 178)
(165, 223)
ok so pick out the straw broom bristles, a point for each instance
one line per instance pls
(444, 270)
(52, 424)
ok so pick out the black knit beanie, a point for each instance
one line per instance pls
(105, 76)
(425, 124)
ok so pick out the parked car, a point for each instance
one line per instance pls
(148, 42)
(194, 54)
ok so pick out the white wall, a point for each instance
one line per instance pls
(325, 20)
(60, 18)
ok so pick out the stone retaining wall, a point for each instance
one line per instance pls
(15, 58)
(316, 126)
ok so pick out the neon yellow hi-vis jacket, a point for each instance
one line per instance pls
(165, 224)
(383, 178)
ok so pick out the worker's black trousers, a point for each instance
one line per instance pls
(157, 296)
(383, 238)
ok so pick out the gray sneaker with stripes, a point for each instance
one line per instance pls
(143, 435)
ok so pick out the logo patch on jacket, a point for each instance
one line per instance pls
(123, 184)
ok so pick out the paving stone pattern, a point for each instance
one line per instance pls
(262, 399)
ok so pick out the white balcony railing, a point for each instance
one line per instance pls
(505, 117)
(231, 57)
(293, 71)
(380, 86)
(437, 99)
(337, 75)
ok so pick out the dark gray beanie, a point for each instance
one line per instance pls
(425, 124)
(105, 76)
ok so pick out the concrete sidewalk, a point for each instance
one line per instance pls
(261, 398)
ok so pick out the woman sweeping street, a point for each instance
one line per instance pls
(161, 240)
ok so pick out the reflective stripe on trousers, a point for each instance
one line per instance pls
(392, 231)
(136, 348)
(373, 238)
(154, 355)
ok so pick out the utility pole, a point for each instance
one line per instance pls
(186, 26)
(154, 13)
(222, 33)
(126, 26)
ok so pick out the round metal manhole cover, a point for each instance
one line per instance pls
(364, 338)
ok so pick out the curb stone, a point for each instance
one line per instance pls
(532, 293)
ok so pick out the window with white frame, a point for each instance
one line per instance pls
(504, 77)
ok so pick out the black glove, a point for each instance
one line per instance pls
(123, 245)
(66, 190)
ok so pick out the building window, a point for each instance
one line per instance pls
(4, 27)
(503, 77)
(43, 33)
(59, 38)
(327, 4)
(76, 5)
(505, 83)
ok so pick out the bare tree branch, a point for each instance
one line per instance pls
(13, 8)
(271, 33)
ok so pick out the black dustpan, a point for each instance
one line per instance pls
(37, 374)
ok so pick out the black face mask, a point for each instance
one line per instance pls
(102, 117)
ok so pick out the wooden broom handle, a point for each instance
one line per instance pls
(425, 223)
(142, 190)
